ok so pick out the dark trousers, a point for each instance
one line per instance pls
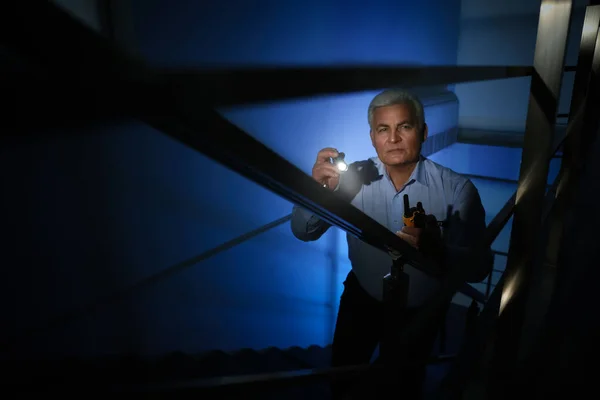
(358, 331)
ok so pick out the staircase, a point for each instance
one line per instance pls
(80, 374)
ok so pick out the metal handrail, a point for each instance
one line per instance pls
(149, 280)
(164, 274)
(157, 277)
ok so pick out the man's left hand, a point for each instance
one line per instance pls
(411, 235)
(427, 240)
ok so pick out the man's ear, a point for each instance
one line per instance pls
(425, 133)
(372, 137)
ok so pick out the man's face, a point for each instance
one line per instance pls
(395, 135)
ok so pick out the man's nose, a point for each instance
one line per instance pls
(394, 136)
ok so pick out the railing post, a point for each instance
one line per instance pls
(553, 29)
(488, 286)
(395, 296)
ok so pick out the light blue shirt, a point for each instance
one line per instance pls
(436, 187)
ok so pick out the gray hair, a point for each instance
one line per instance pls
(391, 97)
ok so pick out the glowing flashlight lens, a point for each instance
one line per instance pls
(339, 162)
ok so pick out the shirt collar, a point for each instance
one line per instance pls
(419, 174)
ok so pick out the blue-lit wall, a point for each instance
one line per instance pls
(88, 213)
(504, 33)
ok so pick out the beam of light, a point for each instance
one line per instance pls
(510, 287)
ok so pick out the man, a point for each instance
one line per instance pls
(398, 130)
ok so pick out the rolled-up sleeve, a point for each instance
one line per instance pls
(307, 226)
(464, 233)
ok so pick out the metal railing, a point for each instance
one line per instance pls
(90, 69)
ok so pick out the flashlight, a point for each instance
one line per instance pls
(339, 162)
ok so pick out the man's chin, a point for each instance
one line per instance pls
(396, 161)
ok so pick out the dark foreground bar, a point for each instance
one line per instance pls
(75, 52)
(240, 86)
(553, 28)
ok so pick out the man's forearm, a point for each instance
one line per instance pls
(306, 226)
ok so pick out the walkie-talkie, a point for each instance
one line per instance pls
(414, 217)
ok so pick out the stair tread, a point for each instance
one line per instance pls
(176, 365)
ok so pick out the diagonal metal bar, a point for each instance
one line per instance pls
(95, 63)
(586, 91)
(92, 57)
(553, 29)
(506, 212)
(584, 78)
(93, 60)
(585, 83)
(242, 86)
(250, 158)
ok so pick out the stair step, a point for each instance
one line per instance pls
(173, 366)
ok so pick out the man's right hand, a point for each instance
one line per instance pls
(324, 171)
